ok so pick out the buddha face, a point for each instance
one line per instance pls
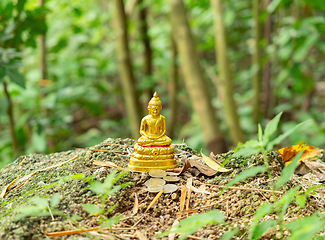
(154, 109)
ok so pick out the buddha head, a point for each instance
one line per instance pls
(154, 105)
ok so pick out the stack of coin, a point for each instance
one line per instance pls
(156, 184)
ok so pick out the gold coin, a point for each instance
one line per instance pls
(169, 188)
(171, 179)
(155, 182)
(157, 173)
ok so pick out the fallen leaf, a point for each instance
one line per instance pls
(136, 205)
(140, 235)
(214, 158)
(213, 164)
(201, 190)
(194, 171)
(4, 191)
(315, 167)
(288, 153)
(206, 170)
(102, 236)
(154, 200)
(183, 197)
(171, 236)
(189, 186)
(178, 171)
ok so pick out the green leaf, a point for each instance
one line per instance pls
(251, 172)
(264, 210)
(16, 77)
(110, 209)
(271, 128)
(304, 228)
(260, 133)
(273, 5)
(283, 136)
(97, 187)
(109, 181)
(193, 223)
(262, 228)
(301, 200)
(288, 171)
(42, 202)
(92, 209)
(114, 189)
(111, 221)
(229, 235)
(55, 199)
(75, 217)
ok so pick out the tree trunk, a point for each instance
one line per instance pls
(256, 58)
(194, 80)
(125, 69)
(147, 48)
(11, 118)
(267, 98)
(172, 89)
(232, 118)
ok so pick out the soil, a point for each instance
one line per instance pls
(238, 205)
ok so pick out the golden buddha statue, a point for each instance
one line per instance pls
(153, 149)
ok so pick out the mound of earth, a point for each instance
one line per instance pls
(38, 176)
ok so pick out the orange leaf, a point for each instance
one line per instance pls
(154, 200)
(288, 153)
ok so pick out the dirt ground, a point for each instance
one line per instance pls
(238, 203)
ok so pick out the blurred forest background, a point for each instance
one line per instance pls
(75, 72)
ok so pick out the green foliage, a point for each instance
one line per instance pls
(251, 172)
(288, 170)
(193, 223)
(42, 207)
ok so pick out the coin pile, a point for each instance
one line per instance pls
(158, 181)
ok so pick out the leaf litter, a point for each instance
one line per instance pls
(239, 201)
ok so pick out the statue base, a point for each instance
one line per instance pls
(145, 158)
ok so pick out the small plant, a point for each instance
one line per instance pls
(304, 228)
(44, 207)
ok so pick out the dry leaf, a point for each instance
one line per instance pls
(140, 235)
(189, 186)
(4, 191)
(154, 200)
(136, 204)
(288, 153)
(183, 196)
(201, 190)
(194, 171)
(213, 164)
(102, 236)
(171, 236)
(178, 171)
(206, 170)
(71, 232)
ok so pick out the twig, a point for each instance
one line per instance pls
(138, 221)
(22, 161)
(211, 205)
(50, 212)
(6, 189)
(100, 150)
(77, 231)
(196, 238)
(246, 189)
